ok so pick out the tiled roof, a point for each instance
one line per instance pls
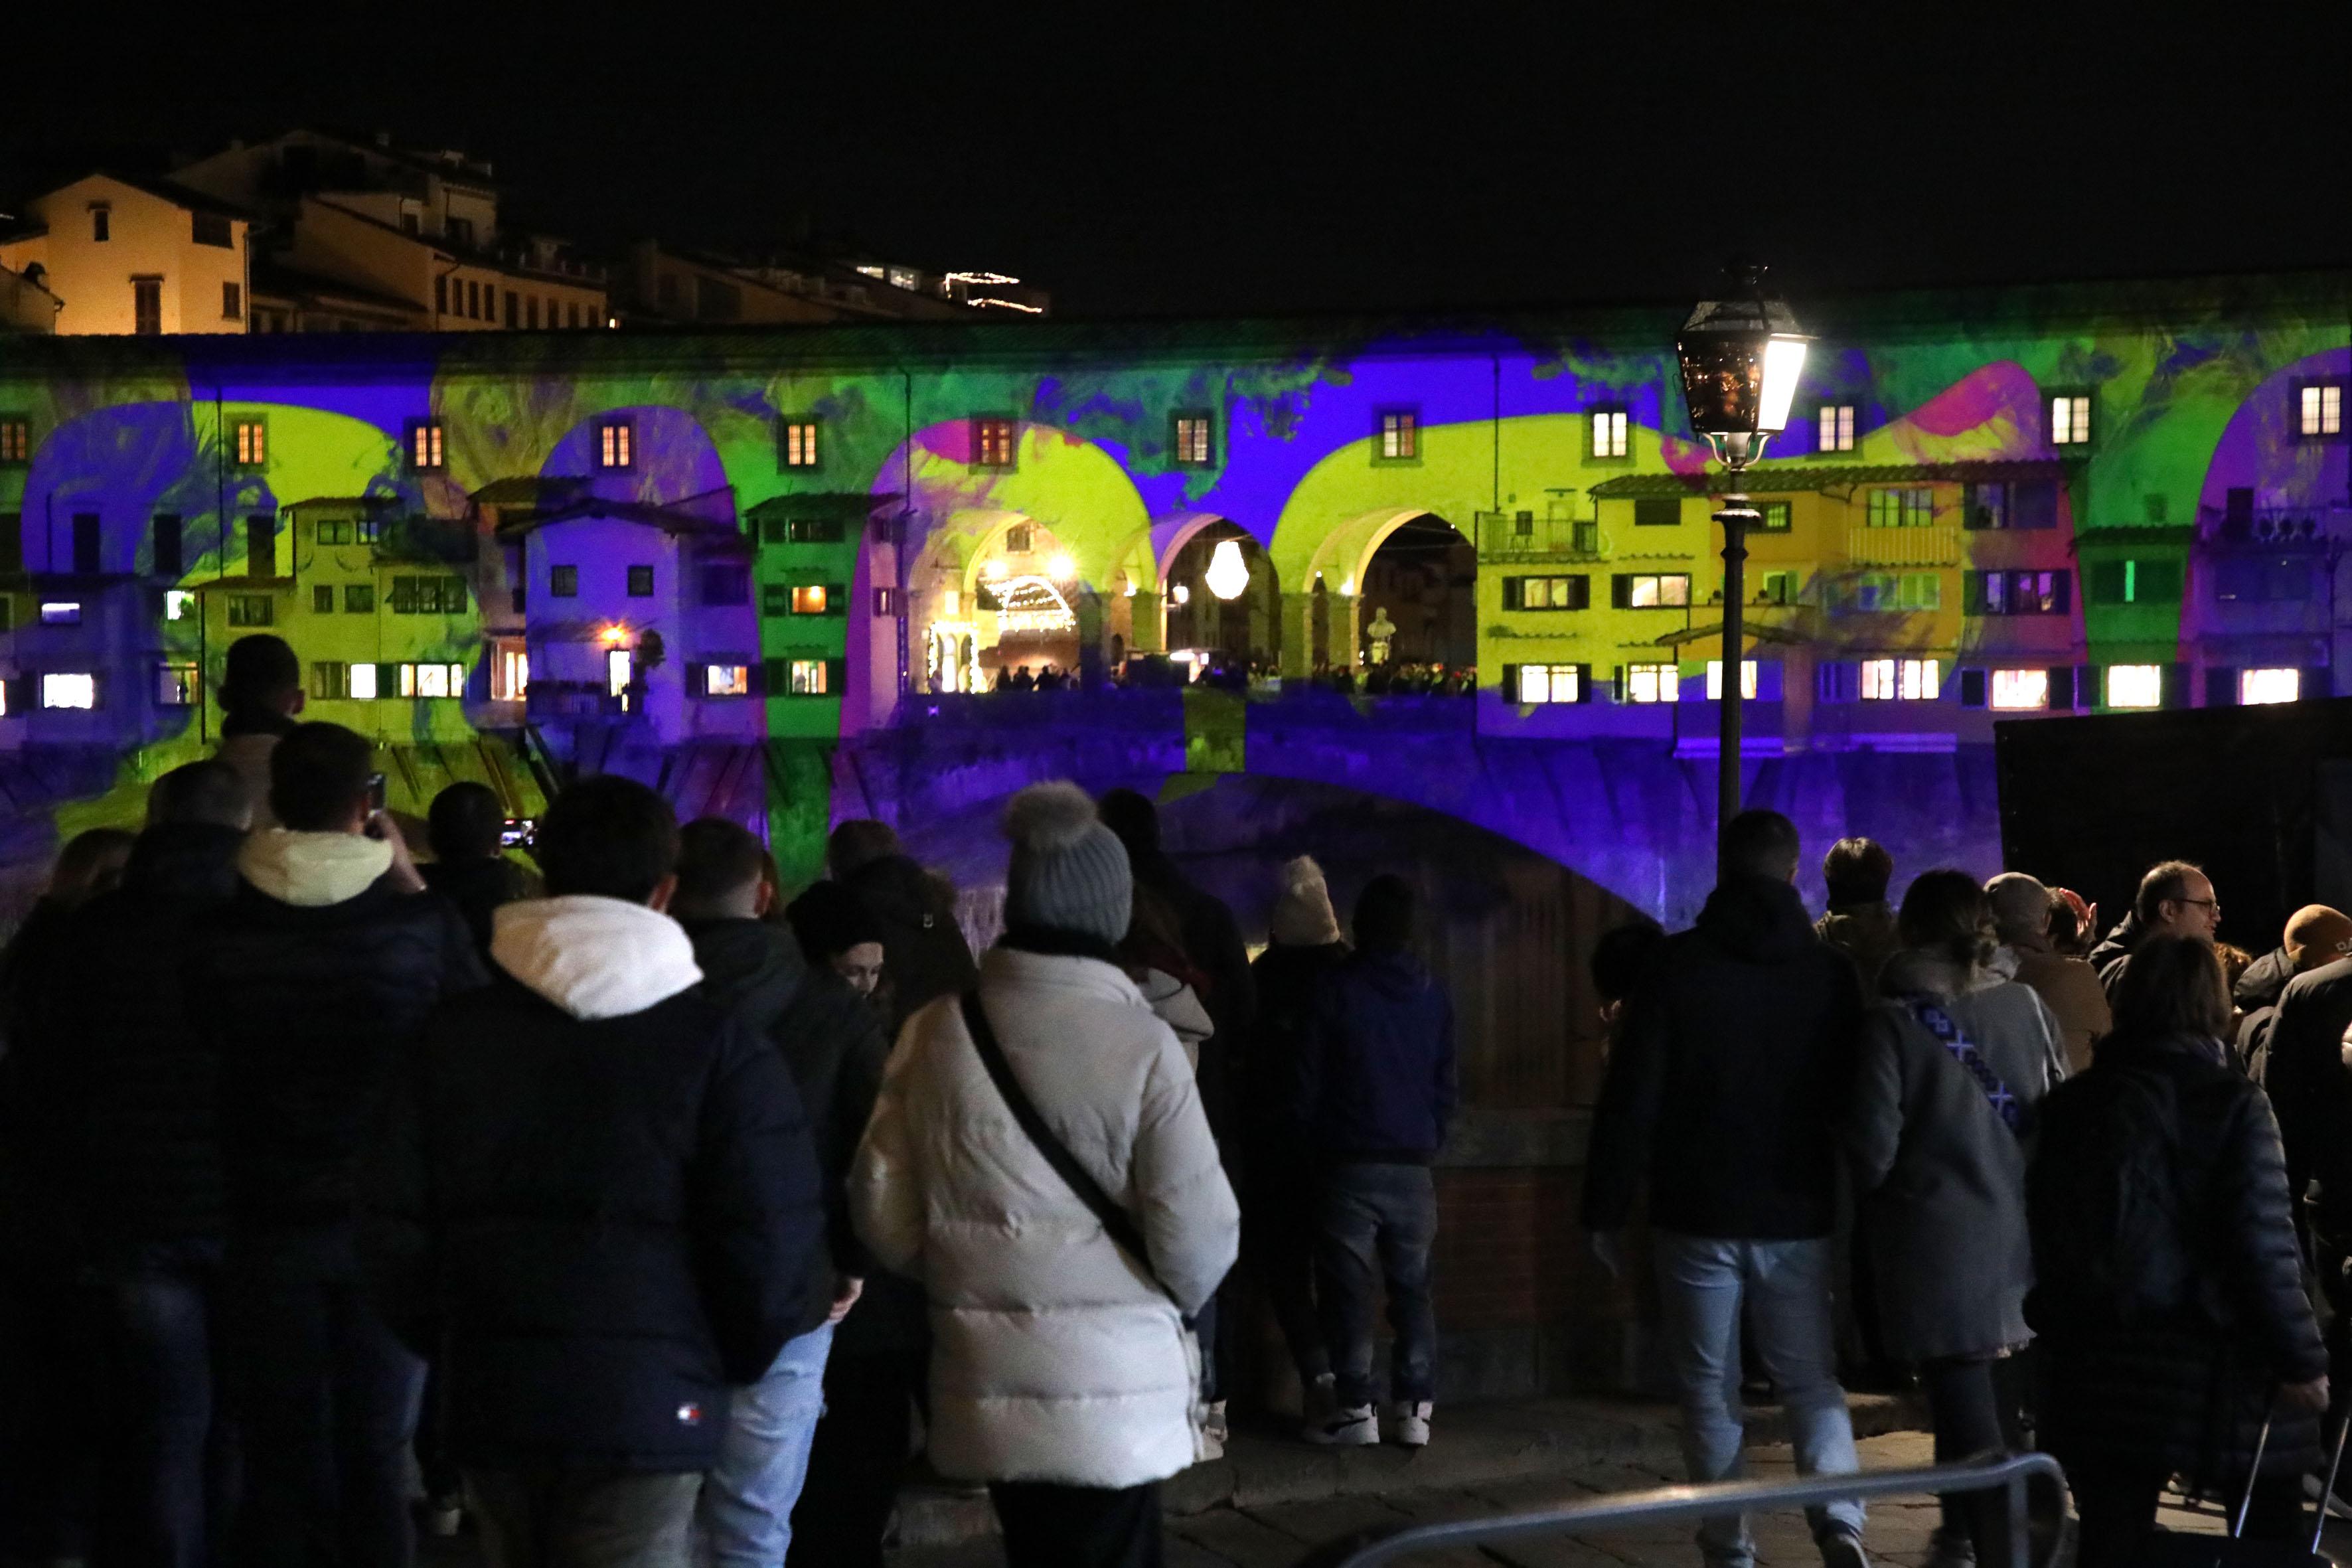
(1790, 478)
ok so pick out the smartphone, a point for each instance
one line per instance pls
(375, 794)
(518, 831)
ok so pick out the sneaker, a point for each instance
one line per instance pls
(1409, 1424)
(1948, 1548)
(1349, 1427)
(1842, 1548)
(1320, 1398)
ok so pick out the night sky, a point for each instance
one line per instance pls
(1188, 159)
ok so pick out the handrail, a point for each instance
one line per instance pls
(1667, 1504)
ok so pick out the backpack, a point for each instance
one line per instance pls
(2106, 1196)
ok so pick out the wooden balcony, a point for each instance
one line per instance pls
(1938, 545)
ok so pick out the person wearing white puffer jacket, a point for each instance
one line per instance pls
(1061, 1372)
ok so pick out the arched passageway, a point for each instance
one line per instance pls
(1223, 602)
(1418, 599)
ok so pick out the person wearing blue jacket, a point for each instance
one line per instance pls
(1375, 1086)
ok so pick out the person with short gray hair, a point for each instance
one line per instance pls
(2021, 912)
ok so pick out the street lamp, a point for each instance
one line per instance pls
(1740, 360)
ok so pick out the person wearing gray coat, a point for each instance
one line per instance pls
(1953, 1059)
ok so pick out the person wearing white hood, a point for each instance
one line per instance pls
(305, 985)
(1061, 1372)
(596, 1194)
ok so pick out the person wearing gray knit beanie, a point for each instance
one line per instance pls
(1070, 872)
(1302, 911)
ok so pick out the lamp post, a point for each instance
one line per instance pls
(1740, 359)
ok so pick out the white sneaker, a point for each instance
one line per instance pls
(1409, 1424)
(1355, 1427)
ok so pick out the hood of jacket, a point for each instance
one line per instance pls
(594, 957)
(184, 860)
(488, 879)
(748, 965)
(1923, 972)
(311, 871)
(1758, 919)
(2121, 937)
(1395, 973)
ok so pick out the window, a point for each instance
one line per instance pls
(530, 311)
(331, 681)
(2135, 686)
(177, 686)
(1836, 426)
(433, 680)
(177, 604)
(1550, 683)
(1779, 588)
(1573, 593)
(1651, 683)
(361, 682)
(641, 582)
(2319, 411)
(366, 530)
(807, 676)
(146, 306)
(725, 584)
(1773, 517)
(1985, 506)
(1644, 591)
(261, 545)
(801, 530)
(251, 610)
(100, 225)
(322, 598)
(1609, 432)
(993, 441)
(2020, 690)
(1910, 507)
(164, 553)
(1194, 441)
(810, 599)
(799, 443)
(620, 671)
(1657, 512)
(211, 228)
(1899, 679)
(564, 582)
(441, 294)
(15, 439)
(727, 680)
(232, 301)
(358, 599)
(2258, 687)
(617, 444)
(886, 601)
(1019, 540)
(332, 531)
(425, 451)
(75, 690)
(2135, 582)
(428, 596)
(2022, 593)
(249, 440)
(86, 541)
(2278, 580)
(61, 612)
(473, 299)
(509, 672)
(461, 231)
(1747, 672)
(514, 310)
(2070, 419)
(1400, 436)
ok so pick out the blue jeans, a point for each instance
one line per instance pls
(746, 1510)
(1377, 1224)
(1702, 1282)
(170, 1465)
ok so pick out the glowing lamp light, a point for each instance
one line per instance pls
(1741, 359)
(1228, 574)
(614, 635)
(1062, 567)
(992, 570)
(1181, 594)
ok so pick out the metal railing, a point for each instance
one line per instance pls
(1666, 1505)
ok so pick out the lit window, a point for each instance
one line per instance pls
(2257, 687)
(1553, 593)
(727, 680)
(176, 686)
(425, 438)
(1715, 679)
(1608, 433)
(808, 677)
(433, 680)
(1899, 680)
(1837, 428)
(360, 682)
(1651, 683)
(1400, 434)
(2135, 686)
(641, 582)
(16, 440)
(1193, 440)
(252, 443)
(2070, 419)
(2322, 410)
(993, 441)
(510, 673)
(1906, 508)
(809, 599)
(800, 444)
(1645, 592)
(2021, 690)
(61, 612)
(620, 671)
(564, 582)
(617, 444)
(1551, 683)
(69, 690)
(177, 602)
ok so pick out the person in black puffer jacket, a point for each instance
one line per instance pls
(470, 867)
(596, 1192)
(141, 1121)
(2168, 1292)
(307, 984)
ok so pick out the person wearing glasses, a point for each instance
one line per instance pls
(2175, 898)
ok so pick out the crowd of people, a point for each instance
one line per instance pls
(2075, 1214)
(609, 1197)
(1225, 672)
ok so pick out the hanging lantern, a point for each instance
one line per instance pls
(1228, 574)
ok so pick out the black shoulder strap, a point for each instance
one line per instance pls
(1116, 1221)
